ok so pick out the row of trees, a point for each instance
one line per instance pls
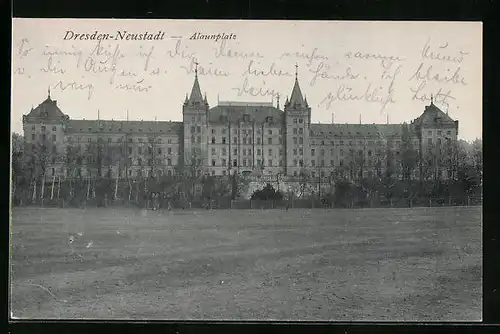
(450, 168)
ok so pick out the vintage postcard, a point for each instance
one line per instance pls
(246, 170)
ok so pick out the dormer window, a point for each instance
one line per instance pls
(140, 130)
(90, 129)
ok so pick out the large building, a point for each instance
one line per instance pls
(232, 137)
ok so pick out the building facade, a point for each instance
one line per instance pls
(232, 137)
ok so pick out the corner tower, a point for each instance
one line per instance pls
(297, 123)
(195, 116)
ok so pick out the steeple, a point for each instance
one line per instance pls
(296, 99)
(278, 101)
(48, 92)
(196, 97)
(432, 99)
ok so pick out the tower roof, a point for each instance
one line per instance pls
(433, 115)
(196, 95)
(48, 109)
(296, 99)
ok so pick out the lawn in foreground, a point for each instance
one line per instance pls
(340, 265)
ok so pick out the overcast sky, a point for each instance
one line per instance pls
(371, 70)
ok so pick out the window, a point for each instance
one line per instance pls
(199, 139)
(301, 141)
(244, 162)
(244, 151)
(269, 141)
(439, 141)
(294, 151)
(341, 142)
(448, 132)
(350, 142)
(139, 161)
(439, 132)
(235, 140)
(53, 171)
(332, 163)
(193, 129)
(313, 163)
(139, 150)
(250, 140)
(295, 140)
(235, 151)
(270, 132)
(235, 163)
(159, 150)
(370, 153)
(429, 133)
(258, 151)
(322, 163)
(258, 162)
(150, 162)
(295, 163)
(32, 136)
(89, 140)
(295, 121)
(301, 163)
(43, 128)
(341, 162)
(429, 141)
(270, 152)
(223, 140)
(244, 140)
(258, 140)
(301, 120)
(213, 163)
(150, 150)
(130, 140)
(224, 173)
(249, 151)
(322, 152)
(313, 152)
(169, 141)
(295, 173)
(54, 149)
(224, 162)
(280, 140)
(360, 153)
(213, 151)
(301, 131)
(281, 152)
(294, 131)
(270, 162)
(301, 151)
(213, 140)
(169, 150)
(130, 150)
(224, 151)
(341, 153)
(54, 128)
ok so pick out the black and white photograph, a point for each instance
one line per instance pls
(246, 170)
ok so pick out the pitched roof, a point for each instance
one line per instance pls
(136, 127)
(48, 109)
(236, 112)
(355, 130)
(433, 115)
(296, 99)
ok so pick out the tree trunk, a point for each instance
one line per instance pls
(58, 186)
(52, 188)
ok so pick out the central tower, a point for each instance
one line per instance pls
(297, 124)
(195, 117)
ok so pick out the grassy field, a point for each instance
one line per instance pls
(362, 265)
